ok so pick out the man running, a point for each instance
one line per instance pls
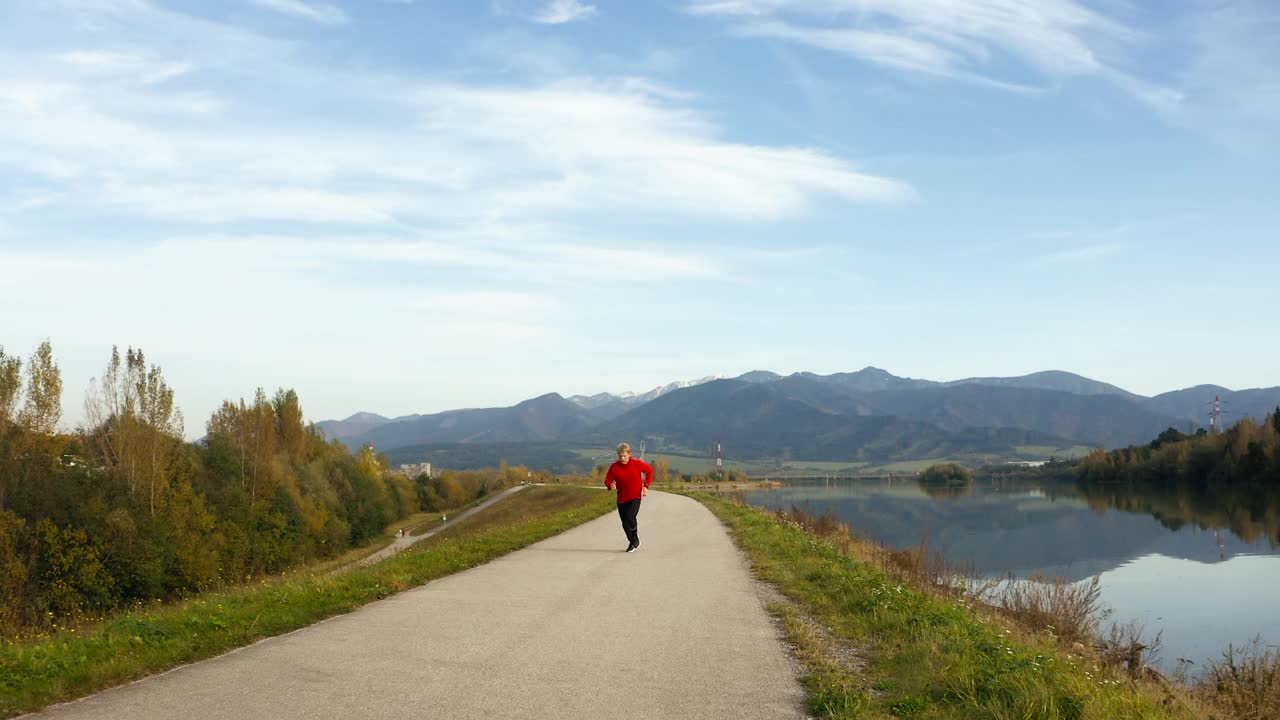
(632, 475)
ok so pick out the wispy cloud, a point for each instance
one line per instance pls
(960, 39)
(114, 135)
(316, 12)
(1231, 82)
(1082, 253)
(558, 12)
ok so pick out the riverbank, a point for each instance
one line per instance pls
(877, 645)
(70, 664)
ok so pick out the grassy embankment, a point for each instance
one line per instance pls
(148, 639)
(876, 646)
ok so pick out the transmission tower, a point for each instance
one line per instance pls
(713, 454)
(1215, 415)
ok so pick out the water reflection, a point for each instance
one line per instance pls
(1204, 568)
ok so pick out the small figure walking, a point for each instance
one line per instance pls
(632, 476)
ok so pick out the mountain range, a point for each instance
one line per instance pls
(868, 415)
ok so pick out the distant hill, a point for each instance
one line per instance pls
(869, 414)
(871, 379)
(758, 376)
(1110, 420)
(1051, 380)
(544, 418)
(1193, 404)
(357, 424)
(760, 420)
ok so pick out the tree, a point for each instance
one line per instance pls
(138, 427)
(14, 586)
(662, 469)
(288, 414)
(1170, 435)
(946, 480)
(227, 429)
(164, 429)
(30, 448)
(10, 384)
(1275, 419)
(263, 433)
(43, 406)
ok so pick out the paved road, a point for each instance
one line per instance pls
(405, 541)
(571, 627)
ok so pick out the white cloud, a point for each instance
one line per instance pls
(951, 38)
(122, 145)
(322, 13)
(558, 12)
(884, 48)
(450, 229)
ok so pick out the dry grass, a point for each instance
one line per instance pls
(1245, 684)
(1069, 611)
(1127, 647)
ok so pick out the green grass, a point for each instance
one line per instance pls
(148, 639)
(1044, 452)
(423, 522)
(920, 655)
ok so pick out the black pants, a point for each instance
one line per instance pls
(628, 512)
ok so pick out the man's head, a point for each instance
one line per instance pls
(624, 453)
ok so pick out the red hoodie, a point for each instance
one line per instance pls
(628, 478)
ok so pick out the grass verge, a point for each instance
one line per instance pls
(917, 654)
(149, 639)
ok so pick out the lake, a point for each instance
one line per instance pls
(1204, 571)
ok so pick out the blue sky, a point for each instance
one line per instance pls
(406, 206)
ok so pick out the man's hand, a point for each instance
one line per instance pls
(644, 491)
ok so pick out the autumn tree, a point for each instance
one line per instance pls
(288, 416)
(43, 407)
(10, 384)
(28, 448)
(662, 469)
(13, 570)
(136, 424)
(228, 428)
(262, 433)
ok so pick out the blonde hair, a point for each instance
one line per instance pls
(624, 446)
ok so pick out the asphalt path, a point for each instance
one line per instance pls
(405, 541)
(571, 627)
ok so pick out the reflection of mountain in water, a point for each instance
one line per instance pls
(1002, 527)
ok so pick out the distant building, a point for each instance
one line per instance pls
(415, 469)
(1028, 463)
